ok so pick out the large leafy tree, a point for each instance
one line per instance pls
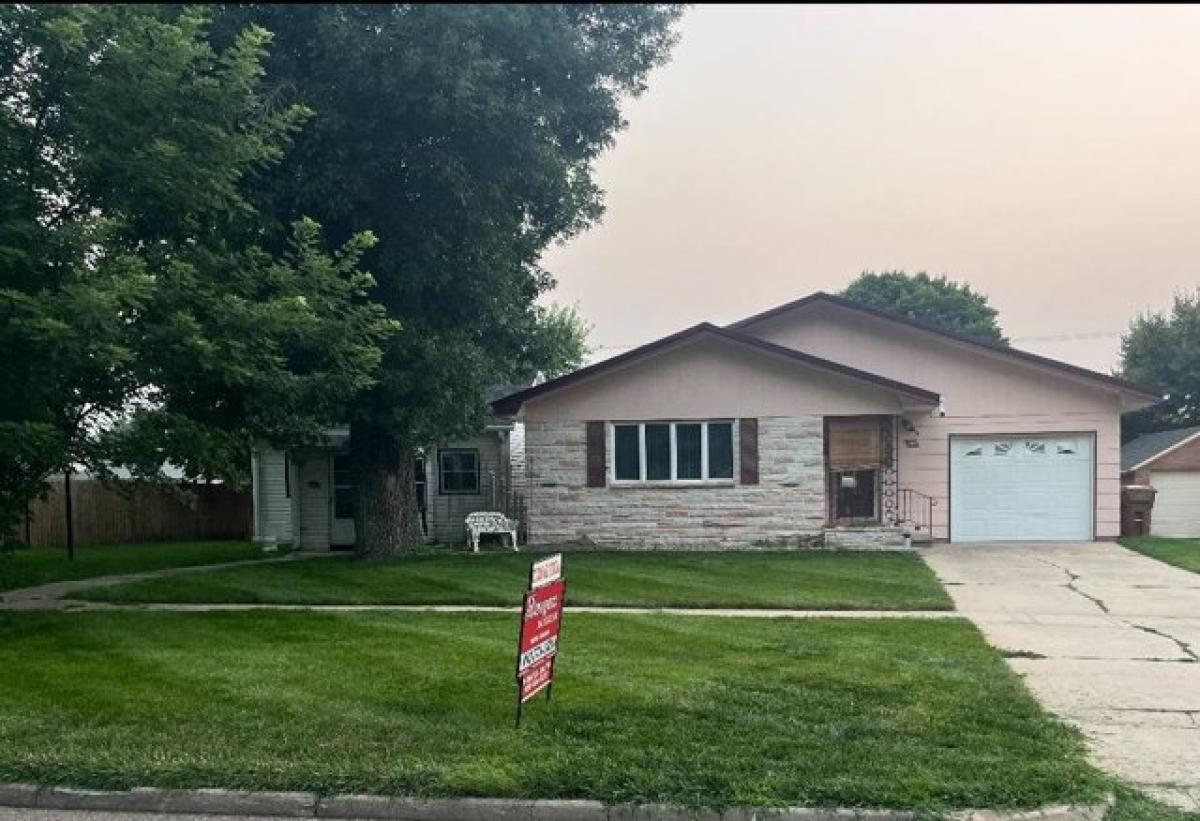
(952, 306)
(139, 317)
(1162, 349)
(464, 136)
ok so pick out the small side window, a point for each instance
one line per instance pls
(627, 453)
(975, 451)
(1035, 447)
(1001, 448)
(458, 471)
(1065, 448)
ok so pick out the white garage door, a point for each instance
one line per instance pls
(1176, 504)
(1021, 488)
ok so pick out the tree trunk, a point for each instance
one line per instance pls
(386, 521)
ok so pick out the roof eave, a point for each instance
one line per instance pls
(1142, 395)
(510, 406)
(1160, 454)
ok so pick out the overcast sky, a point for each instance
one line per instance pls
(1050, 157)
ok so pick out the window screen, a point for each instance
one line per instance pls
(343, 487)
(628, 464)
(688, 452)
(720, 450)
(658, 452)
(459, 471)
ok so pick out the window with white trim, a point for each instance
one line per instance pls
(458, 471)
(672, 451)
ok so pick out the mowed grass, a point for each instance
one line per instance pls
(1183, 553)
(43, 565)
(699, 711)
(814, 580)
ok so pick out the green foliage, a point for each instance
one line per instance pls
(464, 136)
(559, 341)
(1162, 349)
(951, 306)
(131, 281)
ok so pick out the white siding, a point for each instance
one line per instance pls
(272, 505)
(1176, 504)
(446, 512)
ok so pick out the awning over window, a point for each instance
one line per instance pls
(858, 442)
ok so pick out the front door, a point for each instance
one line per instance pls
(344, 490)
(854, 496)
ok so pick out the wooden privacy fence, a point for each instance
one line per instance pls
(102, 515)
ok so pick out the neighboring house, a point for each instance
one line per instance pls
(822, 421)
(1168, 461)
(306, 498)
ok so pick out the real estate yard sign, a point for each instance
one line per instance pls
(541, 618)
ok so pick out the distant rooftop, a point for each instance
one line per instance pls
(1150, 445)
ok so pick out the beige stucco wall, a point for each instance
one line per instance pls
(982, 393)
(711, 379)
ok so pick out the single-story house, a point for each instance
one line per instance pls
(1168, 461)
(306, 497)
(822, 421)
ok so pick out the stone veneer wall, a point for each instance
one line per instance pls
(866, 538)
(786, 508)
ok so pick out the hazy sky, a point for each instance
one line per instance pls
(1048, 156)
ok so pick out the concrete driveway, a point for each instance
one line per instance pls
(1106, 638)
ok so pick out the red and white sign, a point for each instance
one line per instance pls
(541, 618)
(545, 571)
(539, 623)
(536, 678)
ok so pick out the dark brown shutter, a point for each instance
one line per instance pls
(748, 450)
(595, 454)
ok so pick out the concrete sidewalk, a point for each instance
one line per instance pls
(1112, 640)
(186, 805)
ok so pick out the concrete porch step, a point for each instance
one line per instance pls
(866, 537)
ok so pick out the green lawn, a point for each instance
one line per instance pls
(1183, 553)
(42, 565)
(693, 710)
(815, 580)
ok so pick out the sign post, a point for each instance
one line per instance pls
(541, 620)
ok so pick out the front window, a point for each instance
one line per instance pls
(458, 470)
(672, 451)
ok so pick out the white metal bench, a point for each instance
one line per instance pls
(488, 522)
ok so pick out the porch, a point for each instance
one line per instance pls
(308, 497)
(865, 503)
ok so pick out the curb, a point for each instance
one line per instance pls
(311, 805)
